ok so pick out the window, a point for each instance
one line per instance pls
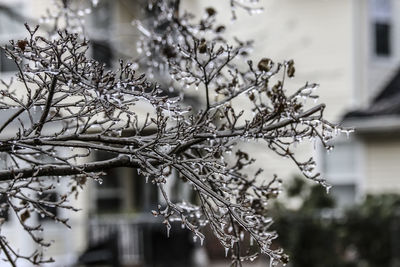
(101, 31)
(381, 27)
(340, 161)
(109, 192)
(382, 39)
(4, 163)
(6, 64)
(124, 190)
(102, 52)
(3, 207)
(50, 197)
(11, 27)
(340, 167)
(145, 194)
(344, 194)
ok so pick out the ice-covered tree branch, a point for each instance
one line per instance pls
(65, 106)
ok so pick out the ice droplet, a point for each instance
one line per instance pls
(272, 262)
(241, 235)
(226, 252)
(328, 188)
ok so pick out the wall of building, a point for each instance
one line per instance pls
(319, 37)
(372, 73)
(382, 166)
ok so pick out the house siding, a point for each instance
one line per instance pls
(382, 168)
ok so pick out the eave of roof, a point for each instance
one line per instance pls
(383, 112)
(374, 124)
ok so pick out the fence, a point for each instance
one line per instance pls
(129, 234)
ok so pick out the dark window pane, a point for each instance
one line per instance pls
(109, 205)
(145, 194)
(6, 64)
(109, 196)
(111, 179)
(3, 207)
(382, 39)
(138, 184)
(102, 52)
(153, 196)
(50, 197)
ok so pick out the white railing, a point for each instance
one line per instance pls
(129, 232)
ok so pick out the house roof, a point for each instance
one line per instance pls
(386, 103)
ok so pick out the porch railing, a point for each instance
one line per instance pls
(129, 233)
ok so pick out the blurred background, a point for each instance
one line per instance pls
(350, 47)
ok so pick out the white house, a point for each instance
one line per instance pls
(352, 49)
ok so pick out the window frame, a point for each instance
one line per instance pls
(356, 177)
(376, 16)
(51, 196)
(14, 34)
(100, 35)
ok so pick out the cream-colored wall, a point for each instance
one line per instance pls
(318, 36)
(360, 48)
(382, 168)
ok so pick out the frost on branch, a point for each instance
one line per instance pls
(73, 106)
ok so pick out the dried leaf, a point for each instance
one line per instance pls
(25, 215)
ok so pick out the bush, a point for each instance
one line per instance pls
(318, 234)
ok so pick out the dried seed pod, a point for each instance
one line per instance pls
(264, 64)
(202, 46)
(211, 11)
(290, 68)
(22, 44)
